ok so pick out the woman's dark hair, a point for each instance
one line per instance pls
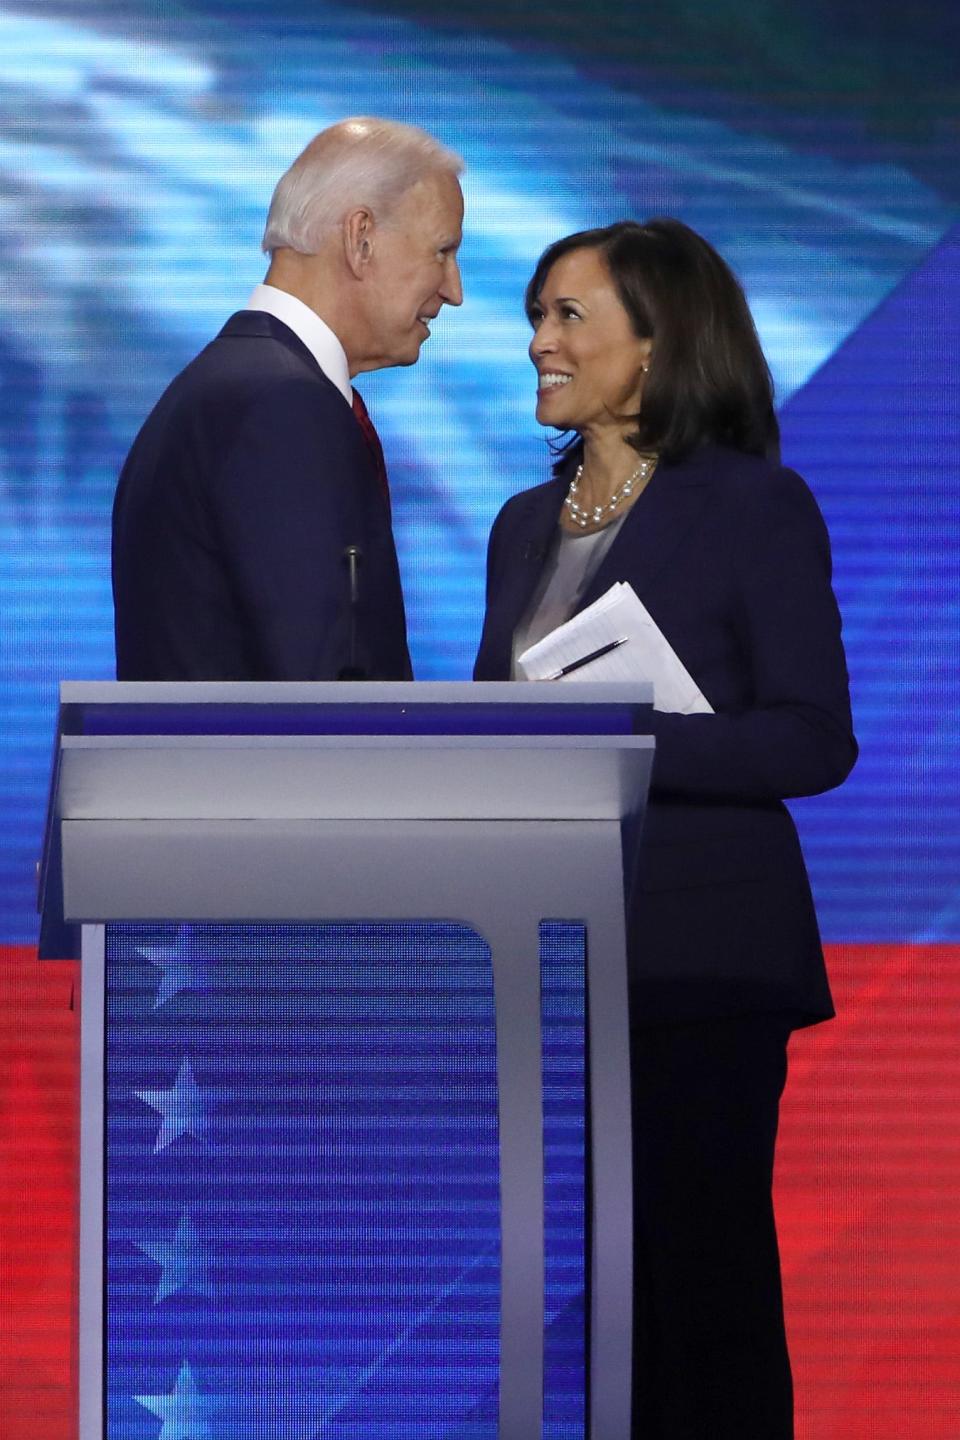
(708, 379)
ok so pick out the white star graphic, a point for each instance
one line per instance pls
(178, 963)
(182, 1411)
(176, 973)
(182, 1108)
(181, 1261)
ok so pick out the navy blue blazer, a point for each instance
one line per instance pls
(731, 557)
(239, 496)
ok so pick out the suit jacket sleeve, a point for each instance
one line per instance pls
(791, 734)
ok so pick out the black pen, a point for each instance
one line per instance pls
(587, 659)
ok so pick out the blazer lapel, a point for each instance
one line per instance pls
(530, 544)
(656, 526)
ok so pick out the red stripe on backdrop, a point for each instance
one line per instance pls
(38, 1169)
(868, 1200)
(867, 1195)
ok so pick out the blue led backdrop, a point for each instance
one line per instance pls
(139, 143)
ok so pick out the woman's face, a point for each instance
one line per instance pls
(589, 362)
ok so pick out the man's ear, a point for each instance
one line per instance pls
(358, 234)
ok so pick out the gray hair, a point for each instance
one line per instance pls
(363, 161)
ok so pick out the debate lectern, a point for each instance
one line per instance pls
(355, 1105)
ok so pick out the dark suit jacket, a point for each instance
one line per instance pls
(731, 557)
(234, 507)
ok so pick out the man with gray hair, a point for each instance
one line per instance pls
(251, 526)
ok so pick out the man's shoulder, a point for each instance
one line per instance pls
(253, 360)
(259, 325)
(237, 392)
(256, 345)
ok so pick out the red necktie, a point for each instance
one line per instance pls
(373, 442)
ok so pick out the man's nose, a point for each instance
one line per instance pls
(452, 292)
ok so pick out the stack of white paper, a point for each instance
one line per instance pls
(632, 648)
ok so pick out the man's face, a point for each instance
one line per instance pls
(414, 268)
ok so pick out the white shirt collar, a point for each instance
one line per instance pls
(308, 327)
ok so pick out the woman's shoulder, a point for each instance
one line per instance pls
(761, 505)
(750, 482)
(731, 468)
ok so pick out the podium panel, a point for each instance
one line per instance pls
(352, 979)
(301, 1219)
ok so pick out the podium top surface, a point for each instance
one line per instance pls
(330, 692)
(100, 707)
(140, 759)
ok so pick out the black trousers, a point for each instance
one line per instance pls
(710, 1353)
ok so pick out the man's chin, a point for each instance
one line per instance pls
(412, 354)
(409, 354)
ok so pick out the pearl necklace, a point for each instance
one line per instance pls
(583, 517)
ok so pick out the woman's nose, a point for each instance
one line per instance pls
(542, 343)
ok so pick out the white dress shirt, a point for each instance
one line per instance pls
(308, 327)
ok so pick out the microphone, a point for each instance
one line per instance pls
(352, 556)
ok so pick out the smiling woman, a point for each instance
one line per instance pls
(646, 351)
(578, 321)
(623, 286)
